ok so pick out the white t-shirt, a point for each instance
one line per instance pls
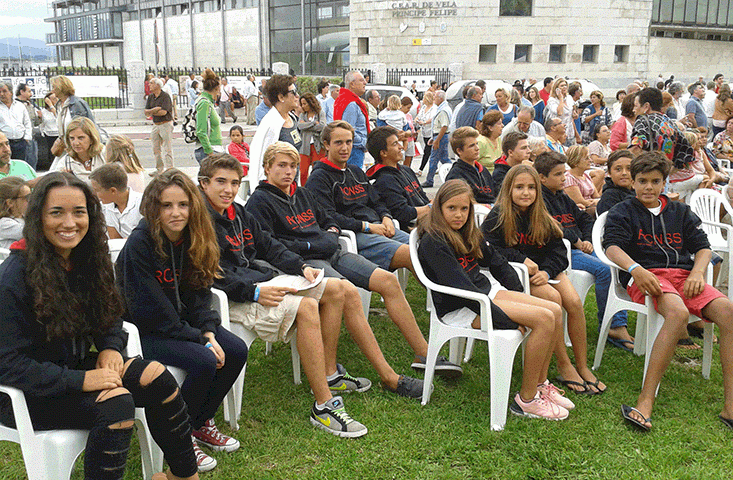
(126, 221)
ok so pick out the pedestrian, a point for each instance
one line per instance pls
(352, 109)
(160, 106)
(208, 131)
(225, 101)
(71, 107)
(24, 95)
(49, 131)
(250, 98)
(172, 89)
(15, 122)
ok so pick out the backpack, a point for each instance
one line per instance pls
(188, 127)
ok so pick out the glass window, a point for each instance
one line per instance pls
(487, 53)
(522, 53)
(702, 12)
(363, 45)
(713, 6)
(678, 12)
(590, 53)
(515, 8)
(286, 17)
(325, 12)
(557, 54)
(621, 54)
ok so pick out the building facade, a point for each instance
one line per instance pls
(618, 40)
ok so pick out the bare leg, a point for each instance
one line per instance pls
(402, 259)
(361, 332)
(720, 311)
(331, 307)
(398, 309)
(408, 161)
(541, 316)
(310, 347)
(675, 314)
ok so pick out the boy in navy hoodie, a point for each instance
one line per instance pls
(577, 229)
(618, 183)
(654, 240)
(397, 184)
(346, 195)
(464, 142)
(266, 301)
(516, 151)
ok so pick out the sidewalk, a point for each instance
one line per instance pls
(142, 131)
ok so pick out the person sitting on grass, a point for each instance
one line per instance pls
(344, 192)
(521, 228)
(265, 301)
(397, 184)
(120, 204)
(464, 143)
(654, 240)
(516, 150)
(452, 251)
(291, 215)
(618, 182)
(577, 229)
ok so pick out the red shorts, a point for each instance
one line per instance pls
(673, 281)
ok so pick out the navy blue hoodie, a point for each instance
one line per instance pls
(500, 169)
(157, 296)
(28, 360)
(612, 194)
(296, 220)
(667, 240)
(241, 242)
(400, 191)
(444, 267)
(346, 194)
(551, 257)
(477, 177)
(576, 224)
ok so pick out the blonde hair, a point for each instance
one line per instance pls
(428, 98)
(276, 149)
(63, 85)
(467, 239)
(692, 138)
(542, 227)
(576, 154)
(598, 94)
(393, 102)
(90, 130)
(555, 85)
(120, 149)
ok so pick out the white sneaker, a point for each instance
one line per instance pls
(555, 395)
(539, 407)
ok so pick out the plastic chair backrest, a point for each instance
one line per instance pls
(706, 203)
(597, 237)
(4, 252)
(443, 170)
(480, 212)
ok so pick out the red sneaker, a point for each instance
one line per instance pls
(203, 461)
(211, 437)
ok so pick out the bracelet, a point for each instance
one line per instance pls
(366, 227)
(633, 267)
(257, 293)
(209, 345)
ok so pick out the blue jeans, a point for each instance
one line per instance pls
(357, 157)
(205, 386)
(591, 264)
(439, 154)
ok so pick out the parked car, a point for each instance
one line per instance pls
(388, 90)
(454, 94)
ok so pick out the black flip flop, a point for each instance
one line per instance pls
(617, 342)
(694, 331)
(598, 390)
(570, 383)
(687, 342)
(626, 413)
(728, 422)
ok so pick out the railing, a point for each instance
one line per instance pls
(441, 75)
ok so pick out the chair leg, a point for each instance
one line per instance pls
(707, 350)
(640, 334)
(296, 361)
(366, 300)
(457, 345)
(435, 342)
(147, 444)
(58, 459)
(568, 343)
(469, 349)
(603, 337)
(500, 368)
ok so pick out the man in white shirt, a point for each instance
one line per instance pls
(225, 101)
(15, 122)
(333, 91)
(172, 89)
(120, 204)
(250, 97)
(708, 102)
(524, 122)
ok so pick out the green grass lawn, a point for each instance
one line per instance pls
(451, 438)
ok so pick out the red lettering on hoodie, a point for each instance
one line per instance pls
(165, 277)
(240, 240)
(467, 262)
(301, 220)
(646, 239)
(353, 192)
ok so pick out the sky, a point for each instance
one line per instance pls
(26, 21)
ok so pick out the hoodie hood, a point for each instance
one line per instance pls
(477, 177)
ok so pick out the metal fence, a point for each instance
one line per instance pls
(441, 75)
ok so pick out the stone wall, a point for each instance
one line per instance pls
(706, 58)
(452, 32)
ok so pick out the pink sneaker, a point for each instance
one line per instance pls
(203, 461)
(555, 395)
(211, 437)
(538, 407)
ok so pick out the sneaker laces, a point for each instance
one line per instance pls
(552, 388)
(200, 454)
(545, 399)
(213, 431)
(341, 414)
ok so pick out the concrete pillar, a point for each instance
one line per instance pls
(281, 68)
(456, 72)
(379, 73)
(136, 85)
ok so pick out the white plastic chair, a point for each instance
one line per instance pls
(443, 170)
(706, 203)
(4, 252)
(581, 281)
(648, 321)
(51, 454)
(502, 344)
(115, 247)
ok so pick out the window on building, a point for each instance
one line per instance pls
(621, 54)
(590, 53)
(363, 45)
(515, 8)
(522, 53)
(557, 54)
(325, 13)
(487, 53)
(343, 11)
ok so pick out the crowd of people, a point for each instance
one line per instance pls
(541, 167)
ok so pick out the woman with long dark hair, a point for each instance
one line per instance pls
(166, 270)
(59, 299)
(310, 125)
